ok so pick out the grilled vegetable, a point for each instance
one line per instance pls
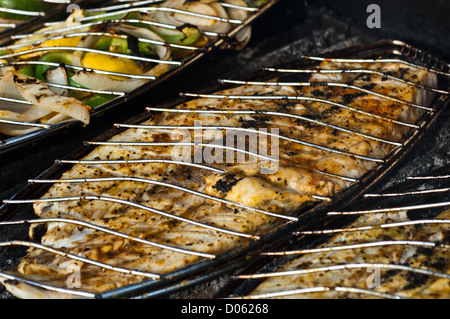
(61, 58)
(210, 8)
(255, 3)
(107, 63)
(138, 50)
(42, 102)
(98, 99)
(25, 5)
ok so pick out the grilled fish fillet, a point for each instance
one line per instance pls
(393, 250)
(303, 173)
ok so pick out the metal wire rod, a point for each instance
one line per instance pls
(123, 6)
(164, 184)
(282, 114)
(299, 272)
(380, 226)
(129, 203)
(295, 98)
(420, 192)
(344, 60)
(107, 231)
(428, 177)
(358, 71)
(358, 246)
(161, 9)
(144, 144)
(105, 34)
(289, 139)
(73, 292)
(64, 48)
(111, 21)
(330, 84)
(309, 290)
(38, 125)
(79, 68)
(392, 209)
(140, 161)
(79, 258)
(23, 12)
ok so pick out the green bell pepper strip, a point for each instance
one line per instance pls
(26, 5)
(192, 34)
(98, 100)
(186, 35)
(121, 46)
(109, 44)
(57, 57)
(28, 70)
(109, 17)
(146, 49)
(255, 3)
(103, 44)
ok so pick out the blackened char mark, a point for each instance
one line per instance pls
(369, 86)
(287, 105)
(314, 84)
(259, 121)
(415, 280)
(25, 81)
(247, 124)
(403, 71)
(225, 184)
(320, 94)
(440, 264)
(348, 98)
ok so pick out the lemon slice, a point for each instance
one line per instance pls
(64, 42)
(104, 62)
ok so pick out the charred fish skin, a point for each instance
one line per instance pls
(161, 214)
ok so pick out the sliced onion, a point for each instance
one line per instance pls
(58, 118)
(57, 75)
(14, 130)
(243, 37)
(41, 95)
(14, 116)
(86, 42)
(208, 7)
(34, 115)
(144, 33)
(44, 33)
(5, 69)
(16, 111)
(95, 81)
(8, 88)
